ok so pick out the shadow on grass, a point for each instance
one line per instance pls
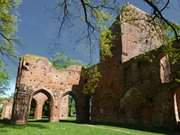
(36, 121)
(130, 126)
(73, 120)
(142, 128)
(7, 124)
(46, 121)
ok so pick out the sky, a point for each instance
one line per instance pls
(38, 33)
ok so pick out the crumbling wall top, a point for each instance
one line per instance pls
(38, 73)
(139, 33)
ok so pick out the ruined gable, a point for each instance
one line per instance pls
(37, 72)
(37, 76)
(139, 33)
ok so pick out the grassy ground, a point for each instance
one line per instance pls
(70, 128)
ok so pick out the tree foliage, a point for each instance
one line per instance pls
(97, 16)
(60, 61)
(94, 12)
(3, 78)
(106, 38)
(8, 21)
(171, 47)
(92, 77)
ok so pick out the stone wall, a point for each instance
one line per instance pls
(138, 33)
(7, 110)
(64, 107)
(37, 75)
(135, 89)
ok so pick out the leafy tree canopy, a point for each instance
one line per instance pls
(8, 21)
(60, 61)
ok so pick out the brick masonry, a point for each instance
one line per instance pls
(38, 79)
(131, 90)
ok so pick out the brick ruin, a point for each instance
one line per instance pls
(133, 89)
(7, 105)
(39, 100)
(38, 80)
(130, 91)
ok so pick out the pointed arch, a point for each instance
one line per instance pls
(50, 97)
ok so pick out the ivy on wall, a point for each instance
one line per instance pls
(177, 79)
(169, 48)
(92, 77)
(106, 44)
(153, 28)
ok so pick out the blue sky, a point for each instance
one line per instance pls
(38, 32)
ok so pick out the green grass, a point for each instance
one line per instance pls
(68, 128)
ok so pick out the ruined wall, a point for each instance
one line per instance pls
(7, 109)
(146, 99)
(131, 90)
(64, 107)
(36, 74)
(134, 90)
(138, 33)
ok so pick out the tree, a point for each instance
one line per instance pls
(7, 36)
(97, 15)
(60, 61)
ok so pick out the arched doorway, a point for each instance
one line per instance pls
(177, 105)
(46, 110)
(68, 106)
(43, 106)
(32, 109)
(1, 110)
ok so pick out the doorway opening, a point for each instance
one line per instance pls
(177, 106)
(41, 106)
(68, 107)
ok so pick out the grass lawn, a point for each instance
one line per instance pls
(69, 128)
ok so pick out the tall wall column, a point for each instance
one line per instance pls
(82, 108)
(54, 107)
(38, 111)
(64, 107)
(21, 106)
(40, 99)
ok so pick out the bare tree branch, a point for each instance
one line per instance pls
(158, 13)
(90, 27)
(7, 39)
(65, 14)
(89, 9)
(86, 15)
(165, 6)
